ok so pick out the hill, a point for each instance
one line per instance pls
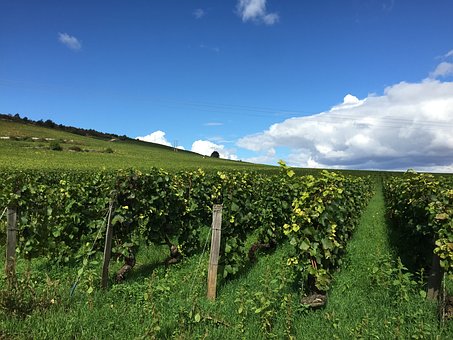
(27, 144)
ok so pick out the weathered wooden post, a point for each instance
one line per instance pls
(435, 279)
(215, 249)
(107, 249)
(11, 242)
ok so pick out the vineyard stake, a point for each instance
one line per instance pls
(435, 279)
(11, 241)
(107, 250)
(215, 249)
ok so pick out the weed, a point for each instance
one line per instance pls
(24, 296)
(395, 278)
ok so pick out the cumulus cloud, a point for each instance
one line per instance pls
(267, 158)
(205, 147)
(158, 137)
(449, 54)
(444, 69)
(199, 13)
(255, 10)
(409, 126)
(69, 41)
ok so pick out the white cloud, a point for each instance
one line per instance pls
(69, 41)
(350, 99)
(449, 54)
(255, 10)
(158, 137)
(205, 147)
(199, 13)
(268, 158)
(444, 69)
(409, 126)
(213, 124)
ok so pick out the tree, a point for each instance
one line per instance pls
(215, 154)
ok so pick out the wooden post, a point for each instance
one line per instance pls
(435, 279)
(215, 249)
(11, 242)
(107, 249)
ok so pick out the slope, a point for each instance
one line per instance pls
(28, 146)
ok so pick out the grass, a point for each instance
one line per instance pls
(21, 151)
(373, 296)
(79, 152)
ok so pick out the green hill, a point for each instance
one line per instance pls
(29, 146)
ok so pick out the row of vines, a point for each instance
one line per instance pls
(62, 214)
(421, 206)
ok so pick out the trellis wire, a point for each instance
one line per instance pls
(109, 210)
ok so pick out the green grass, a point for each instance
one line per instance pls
(27, 153)
(372, 297)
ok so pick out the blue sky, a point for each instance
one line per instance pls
(257, 80)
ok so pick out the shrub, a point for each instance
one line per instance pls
(75, 148)
(55, 146)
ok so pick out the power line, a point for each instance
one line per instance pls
(329, 116)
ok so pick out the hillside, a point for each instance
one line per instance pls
(28, 146)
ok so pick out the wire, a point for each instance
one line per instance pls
(256, 111)
(199, 263)
(80, 272)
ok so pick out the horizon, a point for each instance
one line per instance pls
(364, 85)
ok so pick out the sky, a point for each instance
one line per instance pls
(351, 84)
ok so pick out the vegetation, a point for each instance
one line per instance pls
(421, 205)
(51, 125)
(288, 236)
(28, 147)
(374, 295)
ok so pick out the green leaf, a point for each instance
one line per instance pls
(197, 317)
(327, 243)
(117, 219)
(442, 216)
(304, 246)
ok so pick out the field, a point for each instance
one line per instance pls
(26, 153)
(341, 239)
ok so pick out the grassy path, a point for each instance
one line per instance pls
(374, 296)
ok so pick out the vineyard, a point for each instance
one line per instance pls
(422, 206)
(62, 214)
(288, 234)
